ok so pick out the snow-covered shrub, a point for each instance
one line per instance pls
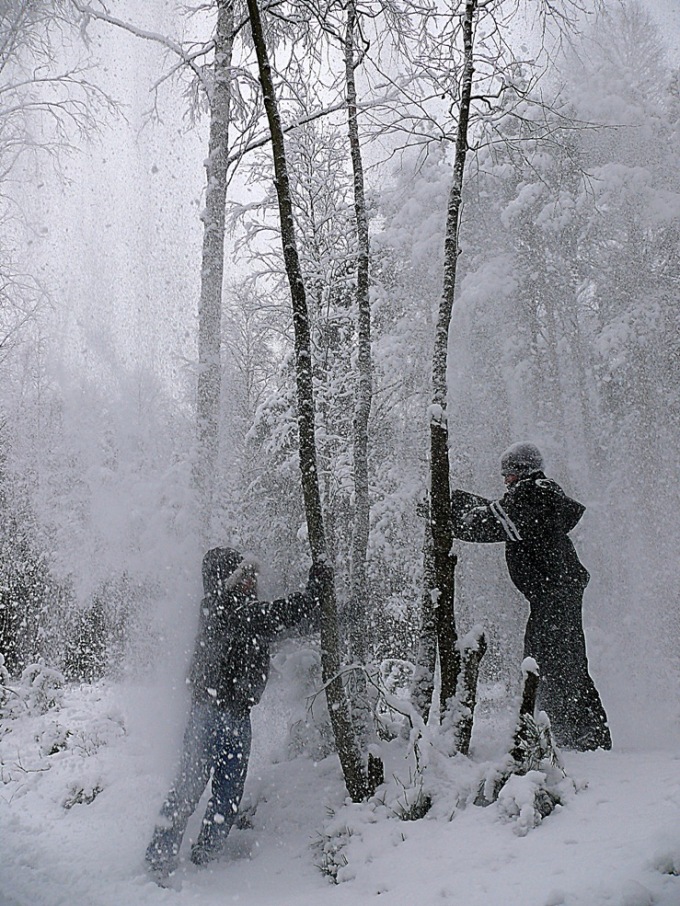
(667, 860)
(41, 687)
(30, 595)
(83, 738)
(103, 636)
(394, 683)
(82, 794)
(53, 738)
(331, 852)
(309, 730)
(527, 799)
(529, 782)
(413, 802)
(341, 844)
(534, 743)
(310, 737)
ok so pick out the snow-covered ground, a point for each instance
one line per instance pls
(74, 824)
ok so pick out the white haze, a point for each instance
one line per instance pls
(116, 243)
(98, 397)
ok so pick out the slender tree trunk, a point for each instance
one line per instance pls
(359, 587)
(467, 689)
(338, 707)
(212, 267)
(359, 595)
(422, 687)
(442, 591)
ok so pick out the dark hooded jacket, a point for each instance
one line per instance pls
(533, 517)
(230, 665)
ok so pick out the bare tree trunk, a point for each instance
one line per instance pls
(527, 748)
(359, 584)
(441, 590)
(212, 266)
(467, 690)
(338, 707)
(359, 595)
(422, 686)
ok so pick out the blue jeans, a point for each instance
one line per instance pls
(214, 740)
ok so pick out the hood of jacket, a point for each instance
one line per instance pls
(223, 568)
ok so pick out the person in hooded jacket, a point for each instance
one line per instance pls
(534, 519)
(228, 674)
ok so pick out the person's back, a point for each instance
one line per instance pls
(541, 557)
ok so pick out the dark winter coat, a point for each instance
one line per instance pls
(533, 518)
(230, 665)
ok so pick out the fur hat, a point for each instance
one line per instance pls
(521, 459)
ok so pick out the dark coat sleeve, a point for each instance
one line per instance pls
(473, 520)
(266, 618)
(530, 509)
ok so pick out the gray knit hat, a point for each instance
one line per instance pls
(521, 459)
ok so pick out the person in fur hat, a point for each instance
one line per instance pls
(534, 518)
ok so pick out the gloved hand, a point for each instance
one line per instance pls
(320, 577)
(464, 509)
(463, 502)
(470, 516)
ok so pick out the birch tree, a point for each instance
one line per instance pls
(364, 382)
(212, 264)
(359, 588)
(213, 83)
(439, 572)
(338, 706)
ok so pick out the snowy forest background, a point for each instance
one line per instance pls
(566, 327)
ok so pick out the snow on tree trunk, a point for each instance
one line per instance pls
(359, 595)
(422, 686)
(212, 266)
(532, 750)
(473, 650)
(338, 706)
(441, 588)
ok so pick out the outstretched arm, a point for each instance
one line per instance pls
(273, 616)
(474, 519)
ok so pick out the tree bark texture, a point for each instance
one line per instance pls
(422, 685)
(467, 690)
(359, 583)
(532, 750)
(440, 490)
(338, 706)
(359, 594)
(212, 266)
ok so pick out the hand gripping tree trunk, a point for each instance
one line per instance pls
(338, 707)
(359, 597)
(212, 266)
(441, 589)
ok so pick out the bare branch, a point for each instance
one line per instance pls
(186, 59)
